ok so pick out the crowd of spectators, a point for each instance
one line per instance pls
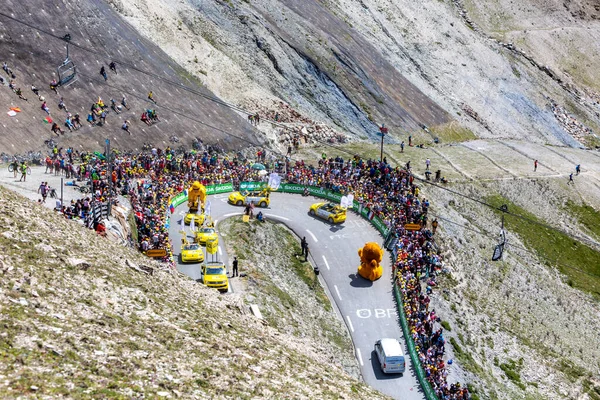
(151, 179)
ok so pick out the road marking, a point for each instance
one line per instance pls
(220, 252)
(350, 324)
(337, 291)
(326, 263)
(376, 312)
(359, 357)
(230, 214)
(277, 216)
(313, 236)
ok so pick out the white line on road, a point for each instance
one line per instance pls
(313, 236)
(337, 291)
(350, 323)
(326, 263)
(220, 252)
(359, 357)
(230, 214)
(277, 216)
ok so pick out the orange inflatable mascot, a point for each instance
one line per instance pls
(370, 258)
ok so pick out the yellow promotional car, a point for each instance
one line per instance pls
(198, 219)
(214, 275)
(205, 234)
(191, 252)
(334, 213)
(260, 199)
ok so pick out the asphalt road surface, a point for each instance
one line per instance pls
(367, 308)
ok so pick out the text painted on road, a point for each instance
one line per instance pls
(359, 223)
(340, 236)
(376, 313)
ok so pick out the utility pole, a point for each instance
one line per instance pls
(109, 173)
(383, 131)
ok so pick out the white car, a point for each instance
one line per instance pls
(390, 355)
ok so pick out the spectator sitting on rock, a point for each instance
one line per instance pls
(76, 121)
(56, 129)
(116, 108)
(152, 115)
(145, 118)
(69, 124)
(125, 127)
(20, 94)
(54, 86)
(45, 108)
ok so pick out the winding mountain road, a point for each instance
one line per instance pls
(367, 308)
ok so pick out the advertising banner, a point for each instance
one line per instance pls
(219, 188)
(178, 199)
(380, 226)
(291, 188)
(252, 186)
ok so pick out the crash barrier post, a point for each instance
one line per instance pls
(412, 351)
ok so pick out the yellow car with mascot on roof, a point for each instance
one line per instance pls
(334, 213)
(260, 199)
(191, 252)
(206, 234)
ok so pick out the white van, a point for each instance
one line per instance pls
(390, 355)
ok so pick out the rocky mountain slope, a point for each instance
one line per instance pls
(346, 62)
(99, 36)
(84, 317)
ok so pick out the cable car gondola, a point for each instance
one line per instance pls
(67, 71)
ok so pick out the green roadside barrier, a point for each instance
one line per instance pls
(412, 350)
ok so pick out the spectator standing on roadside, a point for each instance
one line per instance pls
(434, 225)
(23, 167)
(43, 190)
(578, 169)
(427, 164)
(306, 251)
(15, 165)
(234, 265)
(303, 246)
(571, 181)
(535, 163)
(113, 67)
(402, 147)
(151, 97)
